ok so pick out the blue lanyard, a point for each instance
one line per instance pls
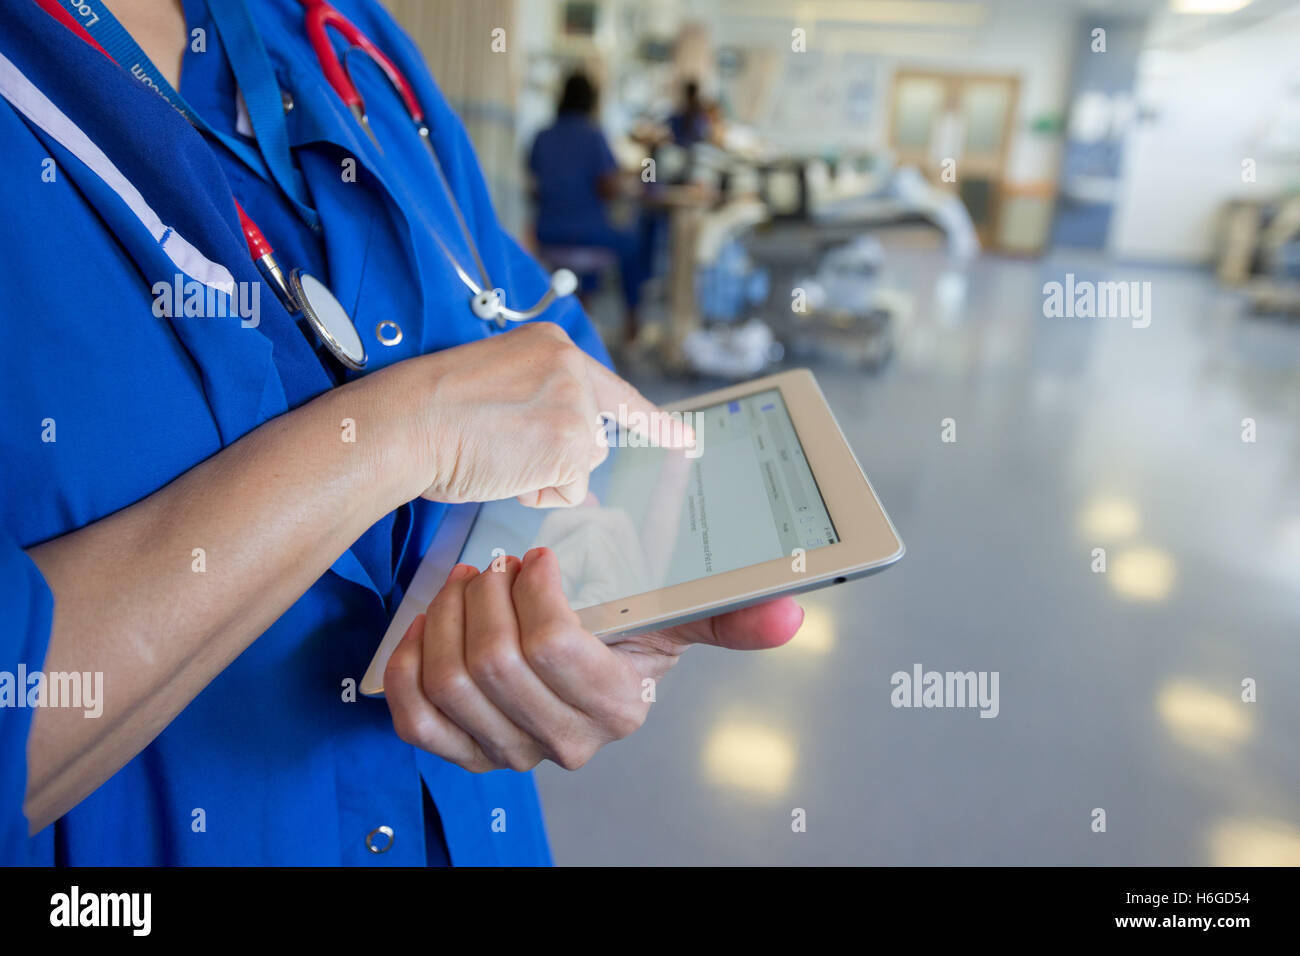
(271, 158)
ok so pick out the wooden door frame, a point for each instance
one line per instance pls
(960, 78)
(955, 82)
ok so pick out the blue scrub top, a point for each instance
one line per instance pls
(283, 768)
(568, 159)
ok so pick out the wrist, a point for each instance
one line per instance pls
(400, 458)
(374, 420)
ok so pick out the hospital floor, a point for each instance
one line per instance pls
(1119, 691)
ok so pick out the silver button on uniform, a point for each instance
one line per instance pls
(379, 840)
(388, 332)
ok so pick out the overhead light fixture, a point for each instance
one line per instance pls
(892, 13)
(1207, 6)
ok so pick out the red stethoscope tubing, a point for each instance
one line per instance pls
(258, 246)
(320, 16)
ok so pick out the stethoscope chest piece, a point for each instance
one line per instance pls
(328, 319)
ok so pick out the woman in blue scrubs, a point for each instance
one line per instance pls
(574, 174)
(208, 531)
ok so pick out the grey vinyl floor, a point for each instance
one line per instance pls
(1120, 691)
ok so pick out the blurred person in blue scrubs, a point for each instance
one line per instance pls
(210, 531)
(574, 176)
(691, 123)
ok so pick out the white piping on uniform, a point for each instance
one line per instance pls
(37, 107)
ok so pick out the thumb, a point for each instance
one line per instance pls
(760, 627)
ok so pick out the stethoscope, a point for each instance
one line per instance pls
(304, 296)
(487, 301)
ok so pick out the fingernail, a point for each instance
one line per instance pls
(531, 554)
(461, 571)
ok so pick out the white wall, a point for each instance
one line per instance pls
(1210, 106)
(1030, 39)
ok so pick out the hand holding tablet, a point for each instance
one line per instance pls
(501, 673)
(766, 499)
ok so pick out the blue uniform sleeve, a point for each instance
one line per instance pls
(24, 636)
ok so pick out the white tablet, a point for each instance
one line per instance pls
(766, 498)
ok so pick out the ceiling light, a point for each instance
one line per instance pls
(1207, 6)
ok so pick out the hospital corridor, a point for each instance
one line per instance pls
(558, 435)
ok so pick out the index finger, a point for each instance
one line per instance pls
(616, 399)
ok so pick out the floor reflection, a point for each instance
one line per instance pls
(1119, 690)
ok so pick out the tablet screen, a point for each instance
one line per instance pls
(739, 494)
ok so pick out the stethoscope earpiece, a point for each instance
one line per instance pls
(564, 282)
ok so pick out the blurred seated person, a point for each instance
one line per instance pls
(574, 174)
(690, 124)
